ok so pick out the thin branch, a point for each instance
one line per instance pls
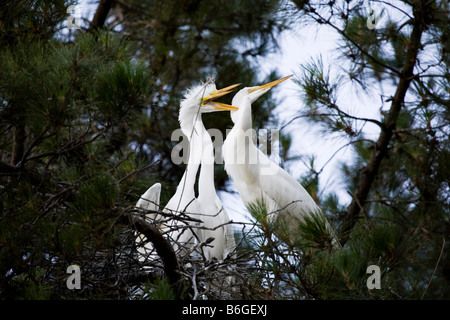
(320, 19)
(71, 145)
(162, 246)
(395, 7)
(292, 120)
(336, 152)
(435, 268)
(33, 144)
(139, 170)
(335, 107)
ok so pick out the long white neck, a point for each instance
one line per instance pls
(243, 117)
(239, 151)
(206, 180)
(193, 133)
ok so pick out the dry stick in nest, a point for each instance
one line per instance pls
(161, 245)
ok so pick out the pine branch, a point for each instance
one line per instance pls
(321, 20)
(345, 114)
(387, 129)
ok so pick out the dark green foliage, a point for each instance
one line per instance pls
(187, 42)
(86, 119)
(65, 187)
(160, 289)
(403, 219)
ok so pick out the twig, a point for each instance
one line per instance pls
(194, 283)
(138, 170)
(435, 268)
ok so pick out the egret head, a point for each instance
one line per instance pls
(252, 94)
(201, 99)
(256, 92)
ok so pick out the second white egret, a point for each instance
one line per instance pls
(258, 179)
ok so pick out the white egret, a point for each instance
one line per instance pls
(213, 214)
(197, 100)
(258, 179)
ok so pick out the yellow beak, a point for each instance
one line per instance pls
(224, 91)
(217, 94)
(270, 85)
(222, 106)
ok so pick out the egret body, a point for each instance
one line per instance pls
(258, 179)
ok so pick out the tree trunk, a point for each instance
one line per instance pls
(380, 151)
(100, 14)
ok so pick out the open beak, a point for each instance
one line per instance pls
(219, 106)
(223, 91)
(217, 94)
(270, 85)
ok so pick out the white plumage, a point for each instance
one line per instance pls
(207, 207)
(214, 215)
(257, 178)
